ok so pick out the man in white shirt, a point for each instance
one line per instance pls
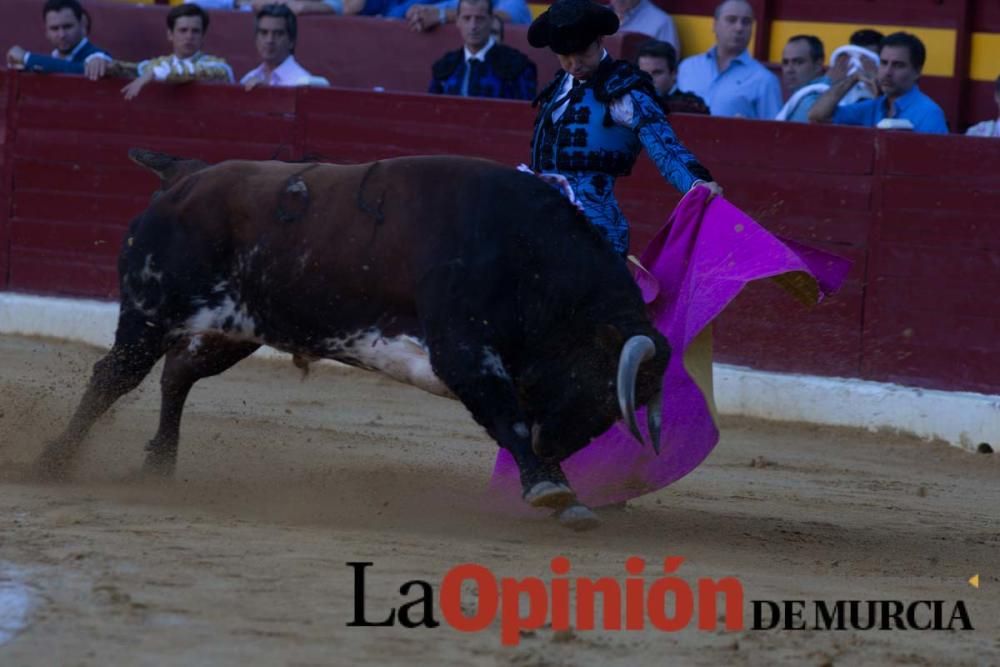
(276, 30)
(644, 17)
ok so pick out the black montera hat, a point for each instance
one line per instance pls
(570, 26)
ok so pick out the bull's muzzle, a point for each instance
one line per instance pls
(638, 349)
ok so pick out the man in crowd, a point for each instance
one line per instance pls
(482, 67)
(726, 76)
(867, 38)
(275, 30)
(801, 68)
(66, 29)
(424, 16)
(186, 28)
(901, 57)
(643, 17)
(659, 60)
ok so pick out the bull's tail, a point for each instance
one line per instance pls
(169, 168)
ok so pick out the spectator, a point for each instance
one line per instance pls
(844, 62)
(659, 60)
(275, 30)
(66, 27)
(300, 7)
(186, 28)
(988, 128)
(483, 68)
(643, 17)
(867, 38)
(901, 59)
(726, 76)
(801, 71)
(423, 16)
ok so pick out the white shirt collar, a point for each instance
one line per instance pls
(288, 73)
(481, 55)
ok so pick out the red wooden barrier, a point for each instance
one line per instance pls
(918, 214)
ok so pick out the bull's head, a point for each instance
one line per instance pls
(577, 393)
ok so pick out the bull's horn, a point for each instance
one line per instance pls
(637, 349)
(654, 419)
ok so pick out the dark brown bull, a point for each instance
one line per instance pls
(460, 276)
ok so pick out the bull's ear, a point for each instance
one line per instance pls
(608, 336)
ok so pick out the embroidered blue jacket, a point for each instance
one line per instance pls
(591, 149)
(506, 73)
(36, 62)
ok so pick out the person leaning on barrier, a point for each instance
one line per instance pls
(901, 104)
(66, 27)
(726, 76)
(186, 28)
(659, 60)
(988, 128)
(275, 34)
(483, 67)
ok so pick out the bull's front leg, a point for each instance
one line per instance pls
(477, 377)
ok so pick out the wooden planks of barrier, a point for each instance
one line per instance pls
(916, 213)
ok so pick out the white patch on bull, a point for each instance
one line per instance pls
(297, 185)
(140, 305)
(148, 273)
(493, 364)
(220, 287)
(194, 345)
(228, 317)
(521, 429)
(404, 358)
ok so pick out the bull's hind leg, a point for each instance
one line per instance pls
(139, 343)
(187, 362)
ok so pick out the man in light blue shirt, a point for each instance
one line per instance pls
(901, 57)
(726, 76)
(802, 73)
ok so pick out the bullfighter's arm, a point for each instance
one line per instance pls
(639, 112)
(168, 70)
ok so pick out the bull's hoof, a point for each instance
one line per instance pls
(51, 467)
(579, 518)
(550, 495)
(159, 467)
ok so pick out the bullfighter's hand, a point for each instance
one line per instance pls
(15, 57)
(714, 189)
(96, 68)
(135, 87)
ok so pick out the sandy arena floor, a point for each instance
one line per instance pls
(241, 560)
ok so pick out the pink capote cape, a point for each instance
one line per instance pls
(697, 263)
